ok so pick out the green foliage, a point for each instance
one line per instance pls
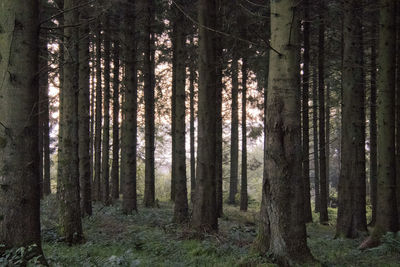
(20, 256)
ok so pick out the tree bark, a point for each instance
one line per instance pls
(351, 220)
(181, 211)
(205, 217)
(68, 178)
(323, 211)
(84, 114)
(129, 111)
(105, 160)
(19, 150)
(192, 128)
(305, 112)
(373, 127)
(147, 18)
(282, 205)
(386, 213)
(116, 111)
(98, 118)
(315, 141)
(218, 127)
(243, 188)
(234, 129)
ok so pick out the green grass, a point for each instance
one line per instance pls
(148, 238)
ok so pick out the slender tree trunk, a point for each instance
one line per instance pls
(44, 135)
(373, 134)
(129, 112)
(234, 129)
(181, 211)
(205, 217)
(98, 118)
(218, 127)
(92, 111)
(283, 194)
(192, 128)
(173, 113)
(315, 141)
(305, 108)
(105, 161)
(84, 114)
(351, 220)
(116, 107)
(386, 212)
(327, 137)
(323, 211)
(398, 112)
(243, 189)
(148, 45)
(19, 153)
(69, 200)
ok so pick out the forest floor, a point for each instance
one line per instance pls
(148, 238)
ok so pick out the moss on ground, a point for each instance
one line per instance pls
(148, 238)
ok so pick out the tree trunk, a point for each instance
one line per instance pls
(218, 113)
(19, 150)
(129, 111)
(351, 220)
(315, 141)
(192, 128)
(305, 117)
(243, 189)
(84, 114)
(181, 211)
(205, 217)
(373, 134)
(283, 193)
(44, 129)
(148, 77)
(105, 161)
(327, 137)
(323, 211)
(386, 213)
(99, 111)
(234, 129)
(116, 107)
(69, 200)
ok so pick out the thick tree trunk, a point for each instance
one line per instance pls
(84, 114)
(69, 200)
(98, 118)
(129, 111)
(19, 153)
(234, 130)
(323, 208)
(351, 220)
(305, 112)
(147, 19)
(243, 188)
(205, 217)
(282, 206)
(105, 161)
(181, 211)
(116, 111)
(386, 213)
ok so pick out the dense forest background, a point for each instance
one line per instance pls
(210, 133)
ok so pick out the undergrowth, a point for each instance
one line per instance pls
(149, 238)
